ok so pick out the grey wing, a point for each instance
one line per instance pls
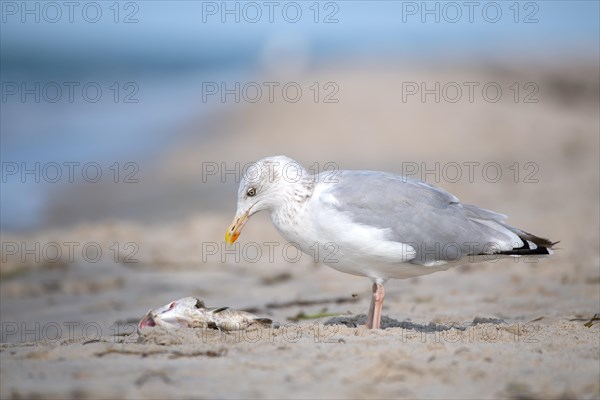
(431, 220)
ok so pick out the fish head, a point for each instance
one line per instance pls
(188, 312)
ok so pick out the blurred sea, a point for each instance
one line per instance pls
(151, 70)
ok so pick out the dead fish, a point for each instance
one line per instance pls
(191, 312)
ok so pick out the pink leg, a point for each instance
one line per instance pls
(374, 318)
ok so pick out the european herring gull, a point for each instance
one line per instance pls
(376, 224)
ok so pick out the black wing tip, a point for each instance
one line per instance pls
(543, 246)
(539, 241)
(540, 251)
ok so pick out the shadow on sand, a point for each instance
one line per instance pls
(387, 322)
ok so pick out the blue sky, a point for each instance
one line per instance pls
(192, 31)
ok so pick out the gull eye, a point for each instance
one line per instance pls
(251, 192)
(199, 303)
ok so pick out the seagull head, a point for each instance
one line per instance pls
(265, 185)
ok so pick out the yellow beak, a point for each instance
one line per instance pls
(236, 228)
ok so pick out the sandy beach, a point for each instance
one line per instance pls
(520, 329)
